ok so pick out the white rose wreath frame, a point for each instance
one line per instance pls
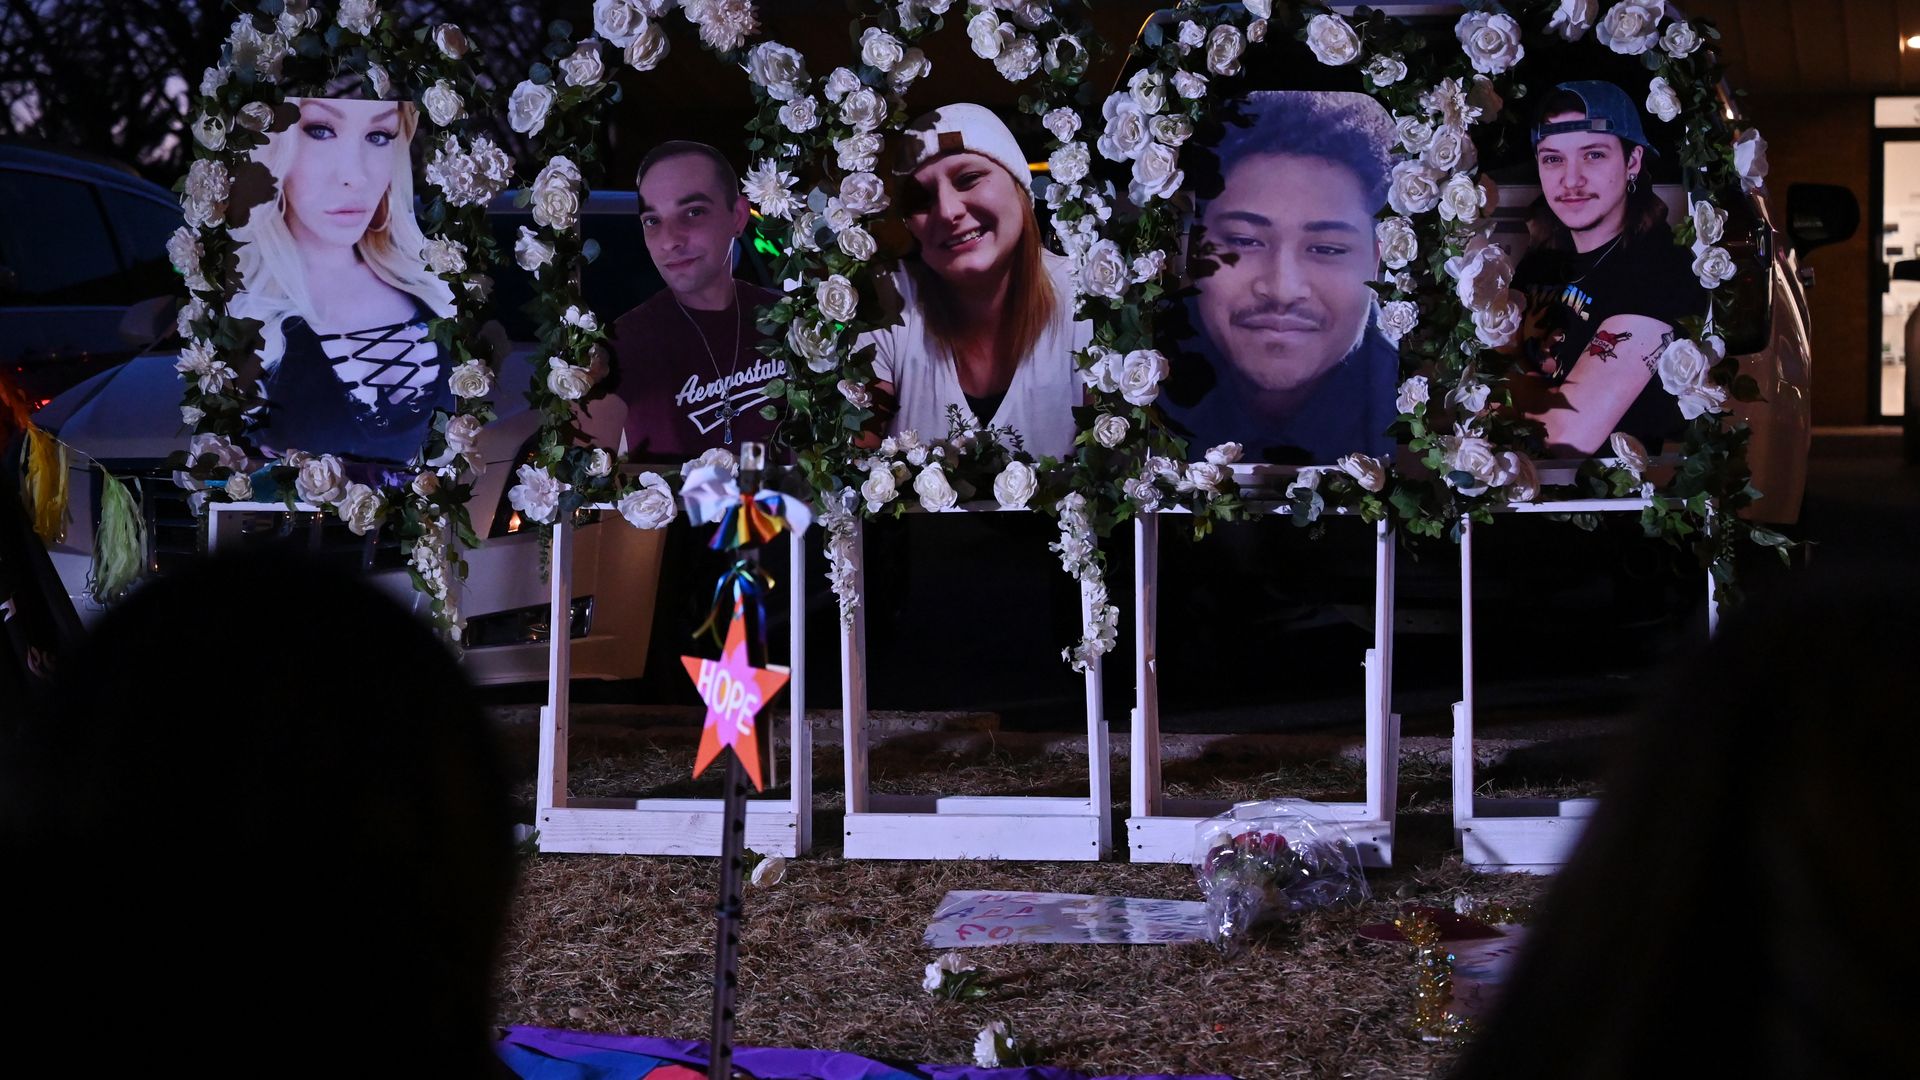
(561, 106)
(291, 44)
(1448, 297)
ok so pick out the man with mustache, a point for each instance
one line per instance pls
(1287, 360)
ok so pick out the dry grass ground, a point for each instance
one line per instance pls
(831, 956)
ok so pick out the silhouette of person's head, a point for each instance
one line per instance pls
(264, 797)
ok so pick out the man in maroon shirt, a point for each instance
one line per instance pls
(687, 359)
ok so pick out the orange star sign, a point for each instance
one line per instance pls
(735, 691)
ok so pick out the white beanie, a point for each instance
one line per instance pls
(961, 127)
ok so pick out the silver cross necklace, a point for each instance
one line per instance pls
(727, 411)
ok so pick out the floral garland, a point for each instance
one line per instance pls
(563, 112)
(1449, 301)
(241, 99)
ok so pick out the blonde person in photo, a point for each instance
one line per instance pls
(986, 312)
(332, 267)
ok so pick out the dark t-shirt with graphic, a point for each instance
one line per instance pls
(1569, 294)
(673, 369)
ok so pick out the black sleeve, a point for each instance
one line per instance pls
(1672, 292)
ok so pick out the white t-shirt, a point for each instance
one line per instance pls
(1040, 400)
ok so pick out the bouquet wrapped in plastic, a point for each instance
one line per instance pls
(1264, 859)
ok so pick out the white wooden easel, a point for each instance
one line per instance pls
(880, 826)
(1164, 830)
(667, 826)
(1512, 834)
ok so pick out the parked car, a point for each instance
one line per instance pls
(83, 266)
(127, 418)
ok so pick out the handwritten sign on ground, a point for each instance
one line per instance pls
(1001, 918)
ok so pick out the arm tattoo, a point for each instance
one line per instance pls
(1606, 345)
(1652, 359)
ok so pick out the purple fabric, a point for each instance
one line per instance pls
(769, 1063)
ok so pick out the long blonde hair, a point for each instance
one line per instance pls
(273, 279)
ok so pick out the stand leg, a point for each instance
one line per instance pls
(726, 946)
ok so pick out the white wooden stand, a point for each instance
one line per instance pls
(667, 826)
(1520, 835)
(962, 827)
(1164, 830)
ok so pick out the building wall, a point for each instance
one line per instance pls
(1828, 139)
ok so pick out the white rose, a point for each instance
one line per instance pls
(1257, 31)
(1333, 42)
(1709, 224)
(1104, 274)
(1191, 35)
(1144, 493)
(651, 505)
(463, 434)
(858, 153)
(856, 243)
(1683, 366)
(880, 49)
(1189, 85)
(1483, 277)
(1399, 243)
(584, 67)
(1070, 164)
(1413, 188)
(936, 495)
(1149, 267)
(538, 493)
(224, 453)
(937, 972)
(528, 106)
(1750, 159)
(812, 342)
(1385, 70)
(1015, 485)
(239, 486)
(472, 379)
(989, 1044)
(863, 110)
(859, 394)
(840, 83)
(212, 79)
(1451, 150)
(194, 310)
(382, 82)
(800, 115)
(443, 103)
(360, 508)
(1702, 399)
(1632, 455)
(1111, 430)
(1470, 455)
(718, 458)
(1415, 134)
(1523, 484)
(1661, 100)
(210, 131)
(1680, 40)
(444, 256)
(1140, 375)
(863, 193)
(567, 381)
(1226, 453)
(1170, 130)
(1492, 42)
(1497, 324)
(1102, 370)
(1018, 59)
(648, 48)
(556, 195)
(1713, 266)
(911, 67)
(1224, 46)
(879, 489)
(768, 871)
(804, 234)
(1472, 396)
(1064, 123)
(1573, 18)
(1630, 27)
(781, 70)
(426, 485)
(838, 216)
(1462, 199)
(208, 185)
(1203, 476)
(619, 21)
(1126, 133)
(1397, 319)
(1369, 472)
(358, 15)
(1156, 174)
(1413, 392)
(1149, 89)
(1307, 479)
(450, 40)
(983, 30)
(837, 297)
(530, 251)
(320, 481)
(184, 251)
